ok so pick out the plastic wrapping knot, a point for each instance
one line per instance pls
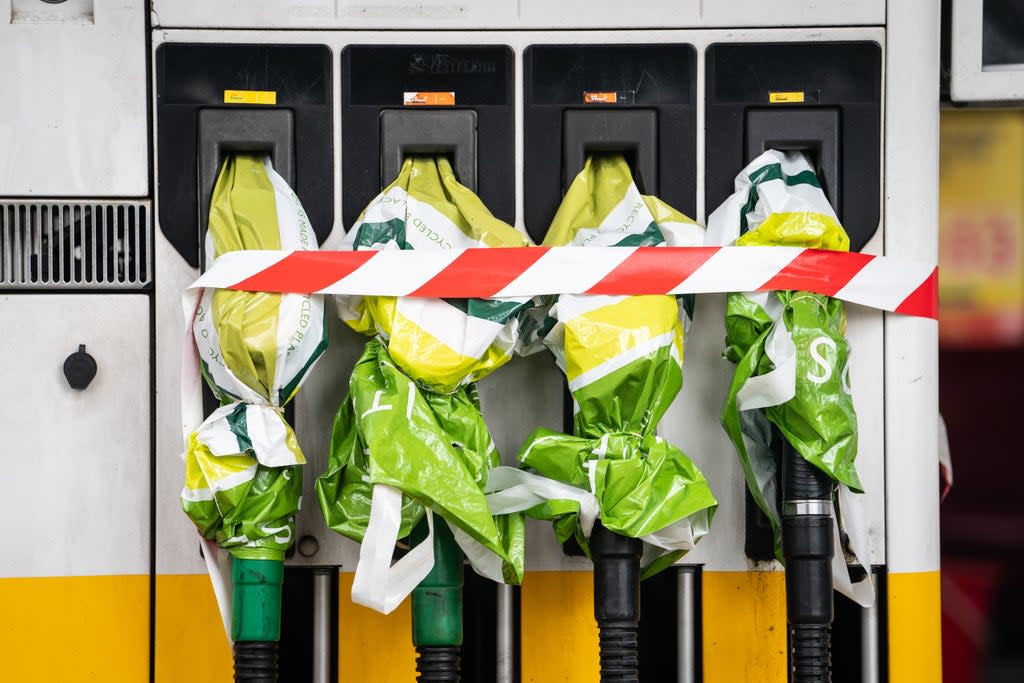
(573, 480)
(242, 478)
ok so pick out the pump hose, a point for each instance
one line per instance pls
(437, 663)
(812, 656)
(255, 661)
(807, 539)
(620, 652)
(617, 603)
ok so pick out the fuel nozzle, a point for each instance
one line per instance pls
(807, 546)
(256, 618)
(437, 608)
(617, 603)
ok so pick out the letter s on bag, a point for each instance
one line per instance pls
(826, 374)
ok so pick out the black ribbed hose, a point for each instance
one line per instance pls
(436, 663)
(255, 661)
(617, 603)
(807, 548)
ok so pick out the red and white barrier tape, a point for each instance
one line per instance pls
(899, 286)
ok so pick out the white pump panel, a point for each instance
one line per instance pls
(972, 77)
(73, 84)
(512, 14)
(76, 463)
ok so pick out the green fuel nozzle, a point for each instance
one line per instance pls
(256, 618)
(437, 607)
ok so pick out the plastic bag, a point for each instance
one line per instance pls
(622, 356)
(790, 351)
(411, 422)
(243, 483)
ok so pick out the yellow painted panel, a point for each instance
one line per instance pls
(75, 628)
(744, 627)
(915, 628)
(373, 647)
(190, 641)
(559, 634)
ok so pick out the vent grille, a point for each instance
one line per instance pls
(75, 245)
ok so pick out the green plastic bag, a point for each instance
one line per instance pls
(242, 465)
(409, 440)
(790, 350)
(622, 356)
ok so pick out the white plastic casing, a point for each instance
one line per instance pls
(970, 80)
(76, 463)
(73, 84)
(512, 14)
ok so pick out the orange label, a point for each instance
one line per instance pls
(600, 97)
(432, 99)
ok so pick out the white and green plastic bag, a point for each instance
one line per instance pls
(243, 483)
(791, 354)
(623, 359)
(409, 441)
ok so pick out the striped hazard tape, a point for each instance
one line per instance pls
(899, 286)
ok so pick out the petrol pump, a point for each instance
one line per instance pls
(515, 96)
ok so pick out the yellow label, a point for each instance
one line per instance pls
(784, 97)
(250, 97)
(600, 97)
(428, 99)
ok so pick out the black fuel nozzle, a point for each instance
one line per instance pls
(807, 546)
(617, 603)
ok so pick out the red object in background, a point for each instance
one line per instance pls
(981, 398)
(967, 591)
(982, 520)
(981, 278)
